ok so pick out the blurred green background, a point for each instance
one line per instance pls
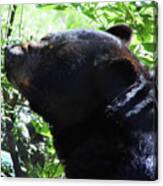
(26, 141)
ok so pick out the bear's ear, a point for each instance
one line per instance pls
(121, 31)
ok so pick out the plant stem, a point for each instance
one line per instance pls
(11, 20)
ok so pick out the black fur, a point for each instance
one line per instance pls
(76, 80)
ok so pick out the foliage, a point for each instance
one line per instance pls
(25, 135)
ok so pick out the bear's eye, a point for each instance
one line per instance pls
(29, 48)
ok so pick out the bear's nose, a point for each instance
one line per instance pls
(14, 50)
(12, 57)
(12, 54)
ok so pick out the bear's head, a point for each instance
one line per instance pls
(66, 76)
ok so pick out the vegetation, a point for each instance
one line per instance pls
(26, 141)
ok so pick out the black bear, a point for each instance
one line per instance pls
(100, 101)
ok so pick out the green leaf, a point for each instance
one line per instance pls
(151, 47)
